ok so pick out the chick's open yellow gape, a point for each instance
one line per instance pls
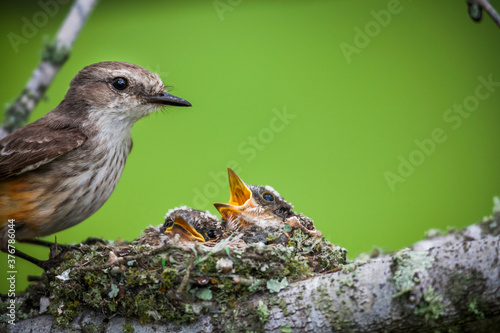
(185, 230)
(241, 198)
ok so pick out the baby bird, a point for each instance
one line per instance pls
(190, 224)
(250, 204)
(193, 225)
(258, 211)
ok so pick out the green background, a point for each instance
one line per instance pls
(355, 116)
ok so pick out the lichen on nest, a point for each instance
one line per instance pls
(172, 281)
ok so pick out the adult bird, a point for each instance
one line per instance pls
(60, 169)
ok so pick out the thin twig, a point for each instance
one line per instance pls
(185, 279)
(53, 57)
(485, 4)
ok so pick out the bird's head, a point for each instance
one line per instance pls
(118, 91)
(193, 226)
(251, 202)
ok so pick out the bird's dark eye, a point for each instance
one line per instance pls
(168, 222)
(211, 234)
(120, 83)
(268, 196)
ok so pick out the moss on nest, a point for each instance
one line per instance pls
(175, 282)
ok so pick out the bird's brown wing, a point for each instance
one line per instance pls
(34, 145)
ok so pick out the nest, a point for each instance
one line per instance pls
(157, 278)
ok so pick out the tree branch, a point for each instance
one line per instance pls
(475, 7)
(490, 10)
(54, 56)
(439, 287)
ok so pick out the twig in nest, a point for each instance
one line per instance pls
(185, 279)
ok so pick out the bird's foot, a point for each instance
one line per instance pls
(62, 247)
(56, 255)
(51, 263)
(54, 258)
(55, 248)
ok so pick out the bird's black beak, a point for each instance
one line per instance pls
(167, 99)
